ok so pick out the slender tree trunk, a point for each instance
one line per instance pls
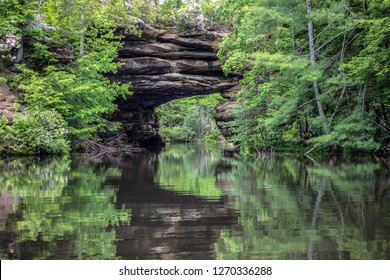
(299, 129)
(82, 44)
(313, 63)
(19, 54)
(170, 118)
(82, 34)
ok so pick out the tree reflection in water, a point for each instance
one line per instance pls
(297, 209)
(60, 209)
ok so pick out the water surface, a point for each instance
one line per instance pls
(189, 202)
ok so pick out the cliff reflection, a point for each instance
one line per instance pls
(177, 210)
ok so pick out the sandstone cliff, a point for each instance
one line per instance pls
(7, 99)
(162, 66)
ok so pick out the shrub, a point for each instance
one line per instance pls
(354, 133)
(3, 81)
(34, 133)
(191, 18)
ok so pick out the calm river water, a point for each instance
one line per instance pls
(189, 202)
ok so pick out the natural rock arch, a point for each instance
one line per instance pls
(162, 66)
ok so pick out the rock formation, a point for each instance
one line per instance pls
(7, 99)
(224, 111)
(162, 66)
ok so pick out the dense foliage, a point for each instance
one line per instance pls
(188, 15)
(315, 73)
(62, 50)
(43, 132)
(189, 119)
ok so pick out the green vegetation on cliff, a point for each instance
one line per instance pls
(59, 52)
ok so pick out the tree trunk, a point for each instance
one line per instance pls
(82, 34)
(313, 63)
(299, 129)
(19, 54)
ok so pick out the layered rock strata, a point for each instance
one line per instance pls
(7, 100)
(225, 114)
(162, 66)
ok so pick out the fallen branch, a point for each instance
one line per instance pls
(312, 149)
(112, 146)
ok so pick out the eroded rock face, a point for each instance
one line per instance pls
(162, 66)
(225, 113)
(7, 99)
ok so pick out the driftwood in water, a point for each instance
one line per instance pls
(112, 146)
